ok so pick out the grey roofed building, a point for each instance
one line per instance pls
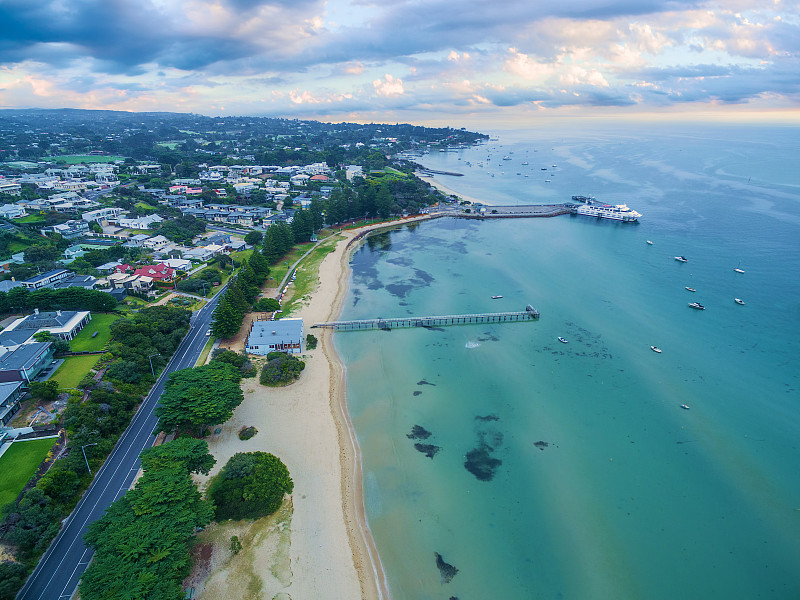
(8, 285)
(83, 281)
(283, 335)
(45, 279)
(10, 394)
(64, 324)
(26, 362)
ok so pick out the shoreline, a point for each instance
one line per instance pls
(360, 536)
(450, 192)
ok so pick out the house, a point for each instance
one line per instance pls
(108, 267)
(11, 393)
(352, 171)
(83, 281)
(159, 272)
(131, 283)
(70, 229)
(10, 187)
(12, 211)
(73, 252)
(137, 241)
(283, 335)
(25, 362)
(178, 264)
(198, 254)
(45, 280)
(300, 179)
(63, 324)
(8, 285)
(140, 223)
(102, 214)
(157, 242)
(320, 177)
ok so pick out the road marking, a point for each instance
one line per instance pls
(139, 419)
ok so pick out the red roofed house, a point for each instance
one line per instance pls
(320, 178)
(159, 272)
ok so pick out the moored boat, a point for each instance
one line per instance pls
(684, 406)
(738, 301)
(656, 350)
(738, 270)
(592, 208)
(649, 242)
(690, 289)
(681, 259)
(697, 305)
(562, 340)
(496, 297)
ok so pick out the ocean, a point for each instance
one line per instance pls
(501, 463)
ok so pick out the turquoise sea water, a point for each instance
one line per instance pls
(605, 488)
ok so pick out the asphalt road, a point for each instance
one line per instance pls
(58, 573)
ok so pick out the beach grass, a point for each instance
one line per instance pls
(278, 271)
(101, 323)
(308, 274)
(19, 463)
(74, 368)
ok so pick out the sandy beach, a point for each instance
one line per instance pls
(449, 192)
(320, 545)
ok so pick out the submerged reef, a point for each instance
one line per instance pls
(447, 570)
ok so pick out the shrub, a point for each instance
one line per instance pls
(250, 486)
(266, 305)
(282, 369)
(311, 341)
(245, 433)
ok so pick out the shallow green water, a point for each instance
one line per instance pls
(605, 487)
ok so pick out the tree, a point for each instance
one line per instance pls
(254, 238)
(45, 391)
(250, 486)
(199, 397)
(142, 541)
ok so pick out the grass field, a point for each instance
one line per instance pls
(84, 342)
(74, 369)
(18, 464)
(74, 159)
(30, 219)
(308, 274)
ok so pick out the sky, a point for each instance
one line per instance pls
(449, 62)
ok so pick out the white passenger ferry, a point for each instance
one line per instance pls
(593, 208)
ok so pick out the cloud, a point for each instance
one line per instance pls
(388, 86)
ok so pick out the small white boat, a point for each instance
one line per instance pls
(738, 301)
(690, 289)
(496, 297)
(697, 305)
(656, 350)
(681, 259)
(649, 243)
(547, 181)
(738, 270)
(685, 406)
(562, 340)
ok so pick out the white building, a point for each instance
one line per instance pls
(102, 214)
(283, 335)
(12, 211)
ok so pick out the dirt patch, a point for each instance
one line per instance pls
(262, 570)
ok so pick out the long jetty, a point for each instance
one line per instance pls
(530, 313)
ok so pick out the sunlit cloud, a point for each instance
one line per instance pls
(348, 57)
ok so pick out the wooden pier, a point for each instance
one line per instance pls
(528, 314)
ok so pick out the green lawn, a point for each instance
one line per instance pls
(308, 274)
(84, 341)
(18, 465)
(74, 369)
(74, 159)
(31, 219)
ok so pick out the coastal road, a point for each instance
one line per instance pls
(58, 573)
